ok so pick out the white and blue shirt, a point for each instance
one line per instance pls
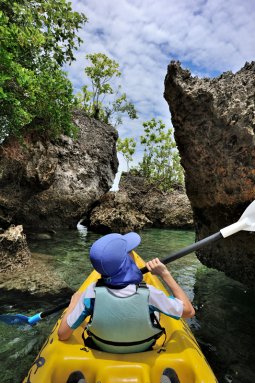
(158, 302)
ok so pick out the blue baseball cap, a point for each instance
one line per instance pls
(109, 256)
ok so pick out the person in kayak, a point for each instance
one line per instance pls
(121, 306)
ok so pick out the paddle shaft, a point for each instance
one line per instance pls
(187, 250)
(54, 310)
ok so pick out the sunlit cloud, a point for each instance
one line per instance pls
(143, 36)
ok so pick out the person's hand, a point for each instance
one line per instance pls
(157, 268)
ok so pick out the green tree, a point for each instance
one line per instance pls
(161, 161)
(127, 147)
(102, 72)
(119, 106)
(37, 38)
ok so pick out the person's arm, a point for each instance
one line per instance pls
(64, 331)
(158, 268)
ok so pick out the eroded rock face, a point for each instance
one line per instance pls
(116, 213)
(23, 173)
(52, 185)
(164, 209)
(138, 204)
(14, 252)
(214, 122)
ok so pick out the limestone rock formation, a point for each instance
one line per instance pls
(14, 252)
(116, 213)
(214, 122)
(48, 185)
(137, 205)
(164, 209)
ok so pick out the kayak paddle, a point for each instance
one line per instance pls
(20, 319)
(246, 222)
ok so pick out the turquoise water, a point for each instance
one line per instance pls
(225, 309)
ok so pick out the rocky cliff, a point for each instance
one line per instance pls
(116, 213)
(164, 209)
(138, 204)
(49, 185)
(214, 122)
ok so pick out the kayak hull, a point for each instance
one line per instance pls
(180, 354)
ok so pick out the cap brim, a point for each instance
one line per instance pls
(133, 240)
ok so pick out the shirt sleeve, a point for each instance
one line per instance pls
(83, 308)
(170, 306)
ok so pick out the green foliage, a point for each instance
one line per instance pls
(101, 73)
(161, 162)
(37, 37)
(119, 106)
(127, 147)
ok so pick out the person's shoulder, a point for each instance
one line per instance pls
(157, 293)
(154, 289)
(89, 292)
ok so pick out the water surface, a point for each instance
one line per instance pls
(225, 309)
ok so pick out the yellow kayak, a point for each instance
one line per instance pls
(180, 354)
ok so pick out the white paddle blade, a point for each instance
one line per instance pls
(246, 222)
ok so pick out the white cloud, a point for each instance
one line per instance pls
(143, 36)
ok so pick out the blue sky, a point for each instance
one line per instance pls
(143, 36)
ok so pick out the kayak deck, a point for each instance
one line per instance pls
(180, 353)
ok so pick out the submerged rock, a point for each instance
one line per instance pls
(39, 278)
(214, 122)
(24, 273)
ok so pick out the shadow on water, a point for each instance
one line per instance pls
(224, 323)
(225, 313)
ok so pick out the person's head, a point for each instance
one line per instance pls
(109, 256)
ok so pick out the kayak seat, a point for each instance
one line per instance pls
(88, 342)
(169, 376)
